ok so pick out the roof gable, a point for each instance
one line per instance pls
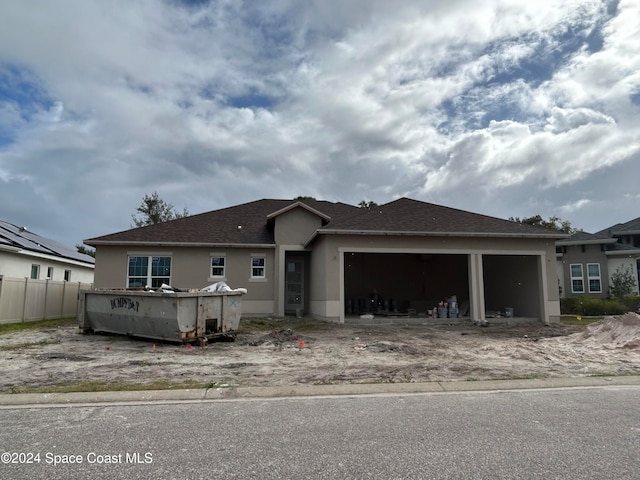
(302, 205)
(245, 224)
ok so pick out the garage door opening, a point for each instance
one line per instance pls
(404, 284)
(512, 282)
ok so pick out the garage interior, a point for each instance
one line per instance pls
(413, 284)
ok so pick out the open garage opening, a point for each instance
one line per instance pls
(512, 286)
(404, 284)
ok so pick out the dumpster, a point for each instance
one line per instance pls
(175, 317)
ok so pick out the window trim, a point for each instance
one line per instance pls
(222, 256)
(67, 275)
(258, 278)
(581, 277)
(49, 273)
(149, 277)
(37, 271)
(598, 278)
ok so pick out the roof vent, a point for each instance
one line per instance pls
(22, 229)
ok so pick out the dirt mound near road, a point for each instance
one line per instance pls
(622, 331)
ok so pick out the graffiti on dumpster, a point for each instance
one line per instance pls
(124, 302)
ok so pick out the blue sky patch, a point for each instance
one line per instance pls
(21, 91)
(252, 100)
(22, 88)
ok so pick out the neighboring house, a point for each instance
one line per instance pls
(24, 254)
(330, 260)
(586, 261)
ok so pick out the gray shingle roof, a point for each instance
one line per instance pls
(407, 215)
(403, 215)
(221, 226)
(586, 238)
(632, 227)
(21, 238)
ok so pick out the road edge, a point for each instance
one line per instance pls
(228, 393)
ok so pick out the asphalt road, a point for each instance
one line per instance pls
(586, 433)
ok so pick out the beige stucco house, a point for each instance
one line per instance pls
(335, 261)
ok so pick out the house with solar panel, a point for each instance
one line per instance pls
(25, 254)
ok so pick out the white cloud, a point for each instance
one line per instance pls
(222, 103)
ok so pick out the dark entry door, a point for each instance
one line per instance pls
(294, 284)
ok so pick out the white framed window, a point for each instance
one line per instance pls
(258, 267)
(593, 277)
(577, 278)
(35, 271)
(67, 275)
(218, 266)
(150, 271)
(49, 273)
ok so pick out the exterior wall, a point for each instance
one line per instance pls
(562, 288)
(191, 268)
(295, 226)
(328, 265)
(18, 265)
(573, 254)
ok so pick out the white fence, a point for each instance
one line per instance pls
(27, 300)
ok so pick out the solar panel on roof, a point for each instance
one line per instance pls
(21, 237)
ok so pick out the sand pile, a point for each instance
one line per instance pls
(622, 331)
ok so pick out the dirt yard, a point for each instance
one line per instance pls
(296, 352)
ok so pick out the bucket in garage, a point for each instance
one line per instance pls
(508, 312)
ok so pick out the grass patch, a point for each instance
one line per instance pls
(22, 326)
(24, 346)
(578, 320)
(96, 386)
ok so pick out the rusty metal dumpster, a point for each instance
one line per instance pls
(175, 317)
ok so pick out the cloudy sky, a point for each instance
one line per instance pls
(503, 107)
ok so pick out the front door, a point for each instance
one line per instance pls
(294, 285)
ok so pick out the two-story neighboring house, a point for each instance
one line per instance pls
(586, 261)
(330, 260)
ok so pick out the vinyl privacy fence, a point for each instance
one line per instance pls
(27, 300)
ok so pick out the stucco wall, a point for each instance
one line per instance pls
(191, 268)
(295, 226)
(591, 254)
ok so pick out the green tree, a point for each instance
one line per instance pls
(623, 282)
(554, 223)
(368, 205)
(154, 209)
(86, 250)
(302, 197)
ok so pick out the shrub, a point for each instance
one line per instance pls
(623, 282)
(596, 306)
